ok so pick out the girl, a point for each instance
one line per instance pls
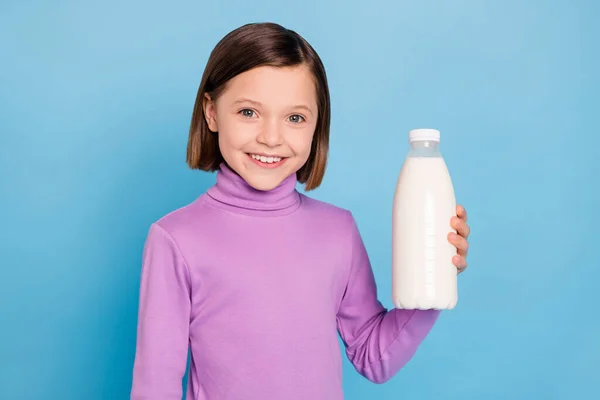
(256, 278)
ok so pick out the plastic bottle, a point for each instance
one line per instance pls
(423, 275)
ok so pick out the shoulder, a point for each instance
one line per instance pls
(334, 225)
(328, 213)
(186, 221)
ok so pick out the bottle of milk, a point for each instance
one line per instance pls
(423, 275)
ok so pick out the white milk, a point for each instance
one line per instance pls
(423, 275)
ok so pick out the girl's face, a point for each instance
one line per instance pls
(266, 119)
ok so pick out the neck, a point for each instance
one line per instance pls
(233, 193)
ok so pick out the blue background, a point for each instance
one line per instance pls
(96, 100)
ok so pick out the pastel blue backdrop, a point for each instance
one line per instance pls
(95, 104)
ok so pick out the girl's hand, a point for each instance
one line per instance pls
(459, 239)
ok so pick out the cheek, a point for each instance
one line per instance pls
(228, 144)
(301, 142)
(233, 135)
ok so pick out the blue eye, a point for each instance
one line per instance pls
(296, 118)
(246, 112)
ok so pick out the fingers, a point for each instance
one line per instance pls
(459, 239)
(460, 226)
(461, 212)
(460, 263)
(461, 244)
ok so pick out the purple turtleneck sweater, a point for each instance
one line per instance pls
(258, 284)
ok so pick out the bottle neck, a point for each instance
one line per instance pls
(424, 148)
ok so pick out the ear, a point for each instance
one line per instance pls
(210, 112)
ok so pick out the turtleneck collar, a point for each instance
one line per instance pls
(232, 192)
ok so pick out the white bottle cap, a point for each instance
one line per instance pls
(423, 134)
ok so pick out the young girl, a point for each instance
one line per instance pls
(254, 277)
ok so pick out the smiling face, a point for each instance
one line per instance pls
(266, 119)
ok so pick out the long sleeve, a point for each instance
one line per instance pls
(163, 320)
(378, 342)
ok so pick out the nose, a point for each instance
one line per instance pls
(270, 135)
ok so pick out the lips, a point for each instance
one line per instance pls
(266, 161)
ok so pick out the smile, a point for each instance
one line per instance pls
(267, 161)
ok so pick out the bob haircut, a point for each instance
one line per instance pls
(250, 46)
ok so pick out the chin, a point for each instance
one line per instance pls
(259, 178)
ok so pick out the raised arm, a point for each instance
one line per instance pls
(378, 342)
(163, 320)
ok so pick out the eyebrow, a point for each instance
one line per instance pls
(258, 104)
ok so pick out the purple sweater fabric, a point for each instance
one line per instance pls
(258, 284)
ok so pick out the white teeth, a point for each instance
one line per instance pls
(267, 160)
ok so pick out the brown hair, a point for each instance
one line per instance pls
(247, 47)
